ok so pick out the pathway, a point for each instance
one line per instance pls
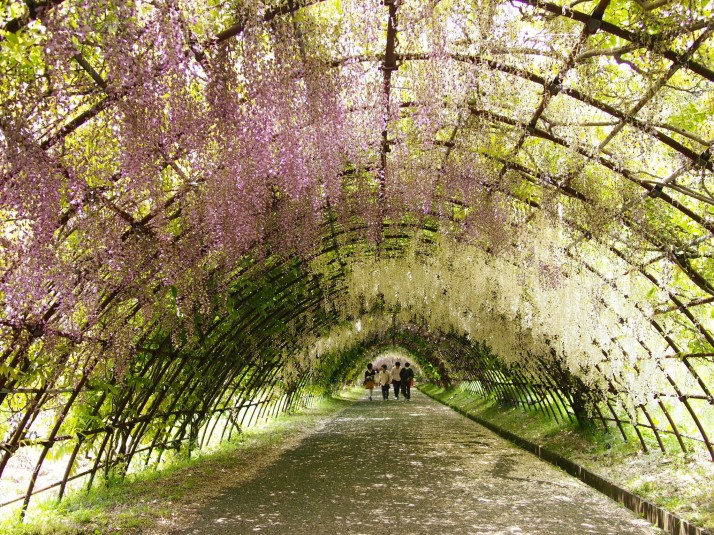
(413, 467)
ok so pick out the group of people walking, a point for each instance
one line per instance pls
(399, 378)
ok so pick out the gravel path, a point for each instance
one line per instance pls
(412, 467)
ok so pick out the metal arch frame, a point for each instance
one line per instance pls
(682, 397)
(653, 322)
(593, 23)
(179, 436)
(75, 124)
(391, 65)
(619, 421)
(124, 424)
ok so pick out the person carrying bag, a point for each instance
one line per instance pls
(368, 382)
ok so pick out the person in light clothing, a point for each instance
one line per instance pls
(384, 379)
(396, 378)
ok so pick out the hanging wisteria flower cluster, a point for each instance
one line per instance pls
(242, 181)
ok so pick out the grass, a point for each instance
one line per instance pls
(680, 483)
(161, 499)
(157, 501)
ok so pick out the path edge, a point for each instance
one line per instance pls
(669, 522)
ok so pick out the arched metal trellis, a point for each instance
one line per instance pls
(157, 319)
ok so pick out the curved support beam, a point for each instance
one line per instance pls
(649, 42)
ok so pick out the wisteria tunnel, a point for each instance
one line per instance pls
(212, 212)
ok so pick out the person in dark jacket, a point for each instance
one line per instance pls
(368, 383)
(406, 374)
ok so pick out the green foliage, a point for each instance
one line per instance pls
(137, 501)
(196, 293)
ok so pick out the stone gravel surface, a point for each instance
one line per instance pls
(412, 467)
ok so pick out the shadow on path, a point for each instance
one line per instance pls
(412, 467)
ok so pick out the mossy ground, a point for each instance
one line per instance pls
(680, 483)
